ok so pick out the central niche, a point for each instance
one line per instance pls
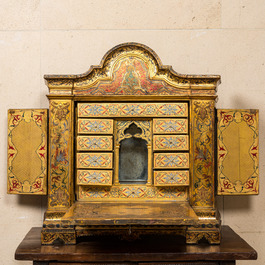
(133, 141)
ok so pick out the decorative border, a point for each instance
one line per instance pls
(171, 178)
(133, 192)
(132, 110)
(37, 185)
(226, 186)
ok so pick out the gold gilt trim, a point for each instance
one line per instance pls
(202, 85)
(122, 125)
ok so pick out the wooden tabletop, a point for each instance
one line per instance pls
(151, 248)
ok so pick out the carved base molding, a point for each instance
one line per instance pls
(51, 236)
(69, 236)
(83, 220)
(213, 236)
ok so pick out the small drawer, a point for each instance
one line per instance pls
(170, 126)
(171, 178)
(171, 160)
(95, 126)
(97, 110)
(170, 142)
(94, 160)
(94, 143)
(94, 177)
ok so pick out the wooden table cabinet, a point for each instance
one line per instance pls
(132, 148)
(150, 250)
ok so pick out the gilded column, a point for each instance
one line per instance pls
(60, 155)
(202, 153)
(202, 173)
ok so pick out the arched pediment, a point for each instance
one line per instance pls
(132, 69)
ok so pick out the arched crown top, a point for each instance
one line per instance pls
(132, 69)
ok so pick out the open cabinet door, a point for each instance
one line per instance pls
(27, 151)
(237, 152)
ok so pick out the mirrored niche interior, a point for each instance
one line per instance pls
(133, 157)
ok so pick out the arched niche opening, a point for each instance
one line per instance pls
(133, 157)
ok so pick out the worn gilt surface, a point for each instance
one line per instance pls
(128, 213)
(238, 162)
(132, 69)
(27, 141)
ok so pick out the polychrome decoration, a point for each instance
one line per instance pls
(171, 160)
(133, 192)
(238, 161)
(202, 155)
(171, 178)
(95, 126)
(133, 110)
(60, 163)
(94, 177)
(171, 142)
(27, 141)
(170, 126)
(131, 106)
(94, 160)
(129, 138)
(95, 143)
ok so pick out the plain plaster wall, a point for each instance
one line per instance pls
(38, 37)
